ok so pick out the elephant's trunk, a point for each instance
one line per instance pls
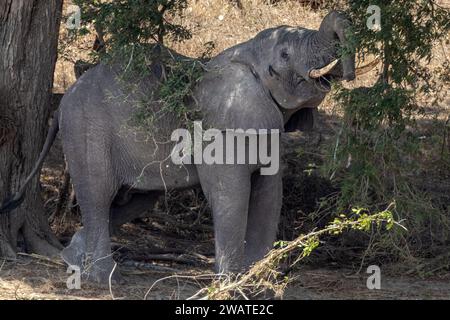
(333, 28)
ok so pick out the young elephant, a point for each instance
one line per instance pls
(272, 81)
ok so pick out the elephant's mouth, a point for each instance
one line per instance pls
(324, 76)
(324, 82)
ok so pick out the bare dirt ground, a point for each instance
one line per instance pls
(33, 278)
(172, 252)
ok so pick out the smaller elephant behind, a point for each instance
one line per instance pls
(271, 82)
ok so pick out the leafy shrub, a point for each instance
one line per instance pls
(133, 32)
(377, 149)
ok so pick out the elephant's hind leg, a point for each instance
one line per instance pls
(95, 187)
(263, 218)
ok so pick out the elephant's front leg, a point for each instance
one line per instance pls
(227, 188)
(264, 213)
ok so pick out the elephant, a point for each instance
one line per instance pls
(272, 81)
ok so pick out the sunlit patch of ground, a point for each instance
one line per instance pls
(30, 278)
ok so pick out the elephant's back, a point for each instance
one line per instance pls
(96, 121)
(95, 97)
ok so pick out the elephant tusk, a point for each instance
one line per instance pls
(368, 67)
(317, 73)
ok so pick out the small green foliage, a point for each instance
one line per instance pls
(280, 244)
(309, 246)
(182, 78)
(129, 22)
(362, 220)
(174, 97)
(133, 32)
(128, 28)
(311, 167)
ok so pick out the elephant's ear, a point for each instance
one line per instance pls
(302, 120)
(157, 66)
(158, 70)
(230, 96)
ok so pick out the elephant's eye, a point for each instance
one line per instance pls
(284, 55)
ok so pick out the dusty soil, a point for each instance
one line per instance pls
(33, 278)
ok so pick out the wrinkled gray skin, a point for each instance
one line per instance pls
(261, 84)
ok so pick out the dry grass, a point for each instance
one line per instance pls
(31, 278)
(226, 25)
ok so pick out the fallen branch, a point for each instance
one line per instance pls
(263, 275)
(145, 267)
(183, 258)
(177, 224)
(58, 262)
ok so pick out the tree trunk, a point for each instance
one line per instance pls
(28, 50)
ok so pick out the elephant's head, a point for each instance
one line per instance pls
(296, 65)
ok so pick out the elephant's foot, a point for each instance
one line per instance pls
(100, 269)
(229, 264)
(74, 252)
(103, 271)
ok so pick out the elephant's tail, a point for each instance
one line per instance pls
(15, 201)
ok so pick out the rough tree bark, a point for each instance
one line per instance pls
(28, 50)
